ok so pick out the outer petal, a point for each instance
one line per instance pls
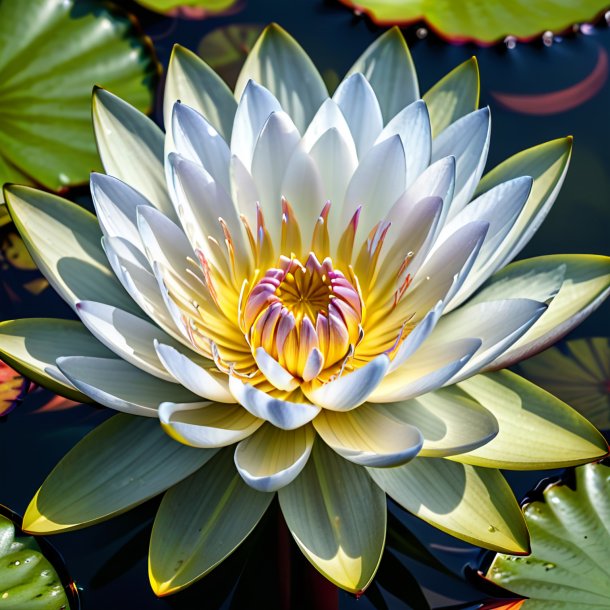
(119, 385)
(282, 413)
(537, 430)
(278, 62)
(449, 420)
(32, 346)
(122, 463)
(272, 458)
(473, 504)
(64, 241)
(222, 511)
(454, 96)
(192, 371)
(586, 284)
(388, 66)
(547, 164)
(369, 437)
(131, 147)
(194, 83)
(468, 141)
(352, 389)
(206, 424)
(126, 335)
(337, 516)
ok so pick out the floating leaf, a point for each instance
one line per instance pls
(45, 87)
(28, 581)
(13, 387)
(569, 566)
(225, 49)
(482, 22)
(578, 375)
(190, 9)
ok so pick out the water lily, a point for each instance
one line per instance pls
(306, 292)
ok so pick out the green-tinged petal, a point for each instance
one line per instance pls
(337, 516)
(201, 521)
(388, 67)
(471, 503)
(32, 346)
(578, 373)
(537, 430)
(131, 147)
(194, 83)
(454, 96)
(64, 241)
(449, 420)
(547, 164)
(279, 63)
(585, 285)
(568, 568)
(122, 463)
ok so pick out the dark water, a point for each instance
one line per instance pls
(109, 560)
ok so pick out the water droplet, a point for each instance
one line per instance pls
(421, 33)
(549, 566)
(587, 29)
(45, 573)
(607, 17)
(510, 42)
(358, 12)
(492, 529)
(5, 595)
(547, 38)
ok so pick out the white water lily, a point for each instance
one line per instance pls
(310, 290)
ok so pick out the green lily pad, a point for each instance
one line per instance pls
(225, 49)
(193, 9)
(28, 581)
(569, 567)
(51, 56)
(578, 375)
(482, 22)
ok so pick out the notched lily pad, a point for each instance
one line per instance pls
(483, 22)
(51, 55)
(191, 9)
(569, 567)
(578, 375)
(28, 581)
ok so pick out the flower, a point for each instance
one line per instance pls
(306, 311)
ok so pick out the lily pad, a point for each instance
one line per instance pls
(28, 580)
(190, 9)
(225, 49)
(578, 375)
(569, 567)
(483, 22)
(13, 387)
(51, 56)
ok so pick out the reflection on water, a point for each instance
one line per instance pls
(109, 560)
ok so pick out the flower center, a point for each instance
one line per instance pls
(307, 317)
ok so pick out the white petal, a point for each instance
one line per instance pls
(369, 437)
(329, 116)
(351, 389)
(115, 204)
(283, 414)
(468, 141)
(376, 184)
(271, 458)
(243, 190)
(412, 125)
(196, 140)
(255, 106)
(426, 370)
(192, 372)
(121, 386)
(274, 371)
(274, 147)
(207, 425)
(126, 335)
(358, 103)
